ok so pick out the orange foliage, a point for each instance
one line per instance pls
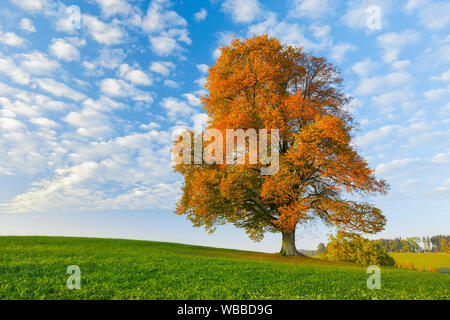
(258, 83)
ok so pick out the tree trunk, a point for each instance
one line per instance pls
(288, 246)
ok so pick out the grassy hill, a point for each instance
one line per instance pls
(35, 268)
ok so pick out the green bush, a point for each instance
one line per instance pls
(350, 247)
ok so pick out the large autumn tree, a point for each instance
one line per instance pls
(259, 83)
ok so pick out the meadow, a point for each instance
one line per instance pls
(425, 260)
(35, 268)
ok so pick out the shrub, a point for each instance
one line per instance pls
(410, 265)
(350, 247)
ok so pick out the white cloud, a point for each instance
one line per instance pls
(175, 107)
(396, 165)
(393, 99)
(171, 83)
(429, 138)
(108, 34)
(445, 187)
(27, 25)
(200, 15)
(103, 104)
(11, 39)
(322, 33)
(442, 158)
(94, 120)
(18, 108)
(201, 81)
(107, 59)
(64, 50)
(339, 51)
(30, 150)
(436, 94)
(134, 75)
(445, 76)
(162, 67)
(70, 191)
(393, 42)
(121, 89)
(33, 5)
(59, 89)
(242, 11)
(17, 75)
(150, 126)
(67, 180)
(114, 87)
(180, 34)
(164, 46)
(310, 8)
(375, 84)
(158, 18)
(203, 68)
(8, 124)
(414, 4)
(113, 7)
(89, 65)
(433, 14)
(363, 68)
(137, 164)
(86, 151)
(445, 110)
(38, 63)
(444, 52)
(37, 100)
(77, 42)
(44, 122)
(374, 136)
(287, 33)
(192, 99)
(401, 65)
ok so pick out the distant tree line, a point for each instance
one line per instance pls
(439, 243)
(351, 247)
(309, 253)
(400, 245)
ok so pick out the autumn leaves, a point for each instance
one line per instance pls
(257, 90)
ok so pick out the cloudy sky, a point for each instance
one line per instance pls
(90, 95)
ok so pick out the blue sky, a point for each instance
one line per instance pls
(90, 96)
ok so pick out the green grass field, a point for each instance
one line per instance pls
(35, 268)
(424, 260)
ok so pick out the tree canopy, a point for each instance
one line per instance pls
(258, 84)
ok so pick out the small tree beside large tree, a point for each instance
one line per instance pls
(259, 83)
